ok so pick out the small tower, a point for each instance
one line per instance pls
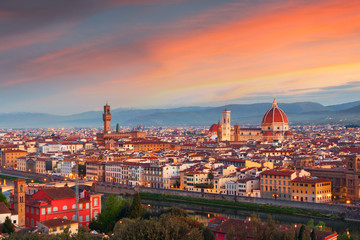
(107, 119)
(236, 133)
(19, 200)
(226, 128)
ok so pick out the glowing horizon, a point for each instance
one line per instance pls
(66, 58)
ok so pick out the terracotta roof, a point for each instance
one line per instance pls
(310, 180)
(4, 209)
(278, 172)
(59, 193)
(213, 128)
(57, 222)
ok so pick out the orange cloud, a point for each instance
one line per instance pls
(282, 47)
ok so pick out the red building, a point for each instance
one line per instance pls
(56, 203)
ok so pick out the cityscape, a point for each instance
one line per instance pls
(180, 120)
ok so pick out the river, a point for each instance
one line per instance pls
(204, 213)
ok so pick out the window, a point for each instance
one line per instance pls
(95, 202)
(32, 210)
(80, 206)
(80, 218)
(74, 217)
(32, 222)
(65, 207)
(55, 209)
(27, 221)
(65, 217)
(87, 218)
(49, 210)
(27, 209)
(54, 229)
(73, 206)
(37, 211)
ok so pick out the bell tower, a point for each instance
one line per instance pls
(107, 119)
(19, 200)
(225, 125)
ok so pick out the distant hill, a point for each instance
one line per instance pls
(243, 114)
(344, 106)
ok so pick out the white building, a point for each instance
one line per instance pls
(5, 212)
(66, 167)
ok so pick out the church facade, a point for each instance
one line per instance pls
(274, 127)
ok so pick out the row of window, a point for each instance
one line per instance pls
(274, 176)
(276, 182)
(55, 209)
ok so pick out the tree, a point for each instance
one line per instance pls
(208, 234)
(117, 127)
(110, 215)
(310, 224)
(136, 208)
(302, 233)
(320, 226)
(82, 170)
(313, 235)
(8, 226)
(3, 198)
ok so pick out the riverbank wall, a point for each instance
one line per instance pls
(351, 213)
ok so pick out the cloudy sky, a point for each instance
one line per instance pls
(68, 56)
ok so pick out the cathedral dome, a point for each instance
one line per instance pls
(274, 115)
(213, 128)
(288, 134)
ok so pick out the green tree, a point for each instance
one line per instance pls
(136, 209)
(110, 215)
(177, 212)
(311, 224)
(117, 127)
(320, 226)
(3, 198)
(302, 233)
(8, 226)
(208, 234)
(313, 235)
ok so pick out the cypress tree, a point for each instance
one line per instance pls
(313, 235)
(117, 127)
(8, 227)
(136, 208)
(302, 231)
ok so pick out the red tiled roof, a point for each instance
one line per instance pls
(278, 172)
(310, 180)
(59, 193)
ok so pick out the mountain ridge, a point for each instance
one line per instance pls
(243, 114)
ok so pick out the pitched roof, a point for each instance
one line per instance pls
(4, 209)
(57, 222)
(59, 193)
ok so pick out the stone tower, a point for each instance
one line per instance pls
(226, 128)
(237, 133)
(19, 200)
(107, 119)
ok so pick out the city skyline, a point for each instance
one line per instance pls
(65, 58)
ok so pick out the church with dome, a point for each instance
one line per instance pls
(274, 127)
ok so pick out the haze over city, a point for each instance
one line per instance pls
(66, 57)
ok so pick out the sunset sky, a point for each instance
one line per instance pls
(70, 56)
